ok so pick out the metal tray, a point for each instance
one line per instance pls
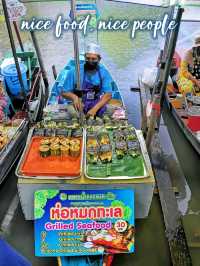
(17, 172)
(147, 164)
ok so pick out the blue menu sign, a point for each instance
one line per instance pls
(84, 222)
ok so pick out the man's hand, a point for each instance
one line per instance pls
(77, 103)
(74, 98)
(92, 112)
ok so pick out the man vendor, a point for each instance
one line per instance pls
(189, 81)
(96, 84)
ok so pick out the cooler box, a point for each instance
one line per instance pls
(10, 74)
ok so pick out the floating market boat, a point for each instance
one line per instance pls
(186, 112)
(61, 140)
(14, 128)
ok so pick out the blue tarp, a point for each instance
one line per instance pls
(10, 257)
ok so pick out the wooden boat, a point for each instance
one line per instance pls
(176, 105)
(55, 91)
(10, 152)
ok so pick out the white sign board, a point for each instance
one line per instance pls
(15, 9)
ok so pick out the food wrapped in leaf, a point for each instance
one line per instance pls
(64, 150)
(90, 121)
(98, 121)
(92, 142)
(45, 141)
(92, 155)
(64, 141)
(60, 125)
(105, 153)
(120, 149)
(118, 135)
(130, 133)
(55, 140)
(123, 123)
(39, 125)
(75, 141)
(75, 150)
(91, 132)
(75, 123)
(50, 124)
(111, 124)
(103, 138)
(55, 149)
(106, 118)
(44, 151)
(133, 148)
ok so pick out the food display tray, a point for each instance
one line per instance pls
(143, 151)
(33, 165)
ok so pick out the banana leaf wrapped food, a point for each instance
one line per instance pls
(123, 123)
(55, 140)
(92, 155)
(90, 121)
(120, 149)
(64, 150)
(130, 133)
(92, 142)
(118, 135)
(91, 132)
(111, 124)
(75, 141)
(106, 118)
(64, 141)
(45, 141)
(103, 138)
(55, 149)
(62, 125)
(98, 121)
(44, 151)
(105, 153)
(133, 148)
(75, 150)
(74, 122)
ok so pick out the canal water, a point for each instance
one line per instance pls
(126, 60)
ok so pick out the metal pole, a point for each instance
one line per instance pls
(158, 98)
(18, 35)
(12, 43)
(54, 72)
(171, 50)
(39, 56)
(76, 46)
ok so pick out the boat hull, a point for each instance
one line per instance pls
(186, 131)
